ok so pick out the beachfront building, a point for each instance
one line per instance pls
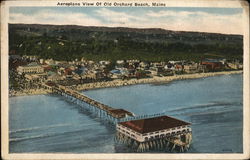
(153, 128)
(30, 68)
(35, 77)
(212, 64)
(191, 68)
(55, 77)
(143, 66)
(116, 74)
(235, 65)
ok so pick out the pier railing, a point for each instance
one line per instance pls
(101, 110)
(141, 117)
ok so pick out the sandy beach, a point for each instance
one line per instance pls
(167, 79)
(118, 82)
(29, 92)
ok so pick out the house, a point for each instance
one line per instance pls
(61, 62)
(90, 75)
(49, 61)
(235, 65)
(47, 68)
(179, 67)
(68, 72)
(41, 61)
(190, 68)
(169, 66)
(55, 77)
(98, 74)
(133, 62)
(116, 74)
(157, 68)
(31, 58)
(143, 65)
(174, 62)
(104, 62)
(80, 70)
(120, 63)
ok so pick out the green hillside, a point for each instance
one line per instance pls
(103, 43)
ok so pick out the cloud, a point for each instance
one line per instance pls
(118, 17)
(52, 17)
(166, 19)
(199, 21)
(169, 13)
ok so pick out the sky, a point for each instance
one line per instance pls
(214, 20)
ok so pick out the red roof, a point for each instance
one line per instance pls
(50, 83)
(68, 71)
(178, 66)
(47, 68)
(153, 124)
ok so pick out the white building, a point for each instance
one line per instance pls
(104, 62)
(41, 61)
(49, 61)
(55, 77)
(152, 128)
(120, 61)
(235, 65)
(191, 68)
(30, 68)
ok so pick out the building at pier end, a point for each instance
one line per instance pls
(143, 130)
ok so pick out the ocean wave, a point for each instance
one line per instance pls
(40, 128)
(30, 137)
(49, 126)
(50, 134)
(207, 105)
(206, 113)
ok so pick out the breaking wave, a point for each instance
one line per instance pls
(31, 137)
(208, 105)
(39, 128)
(48, 134)
(49, 126)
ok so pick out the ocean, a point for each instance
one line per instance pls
(49, 124)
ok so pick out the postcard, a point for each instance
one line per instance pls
(157, 79)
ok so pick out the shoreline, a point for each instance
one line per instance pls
(154, 80)
(120, 83)
(29, 92)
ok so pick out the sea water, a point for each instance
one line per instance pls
(48, 123)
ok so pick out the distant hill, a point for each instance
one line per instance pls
(111, 43)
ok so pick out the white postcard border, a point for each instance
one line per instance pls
(197, 3)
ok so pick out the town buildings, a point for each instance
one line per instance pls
(84, 71)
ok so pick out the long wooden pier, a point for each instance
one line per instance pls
(101, 110)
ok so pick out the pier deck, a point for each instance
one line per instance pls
(109, 113)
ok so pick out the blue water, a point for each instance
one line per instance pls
(47, 123)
